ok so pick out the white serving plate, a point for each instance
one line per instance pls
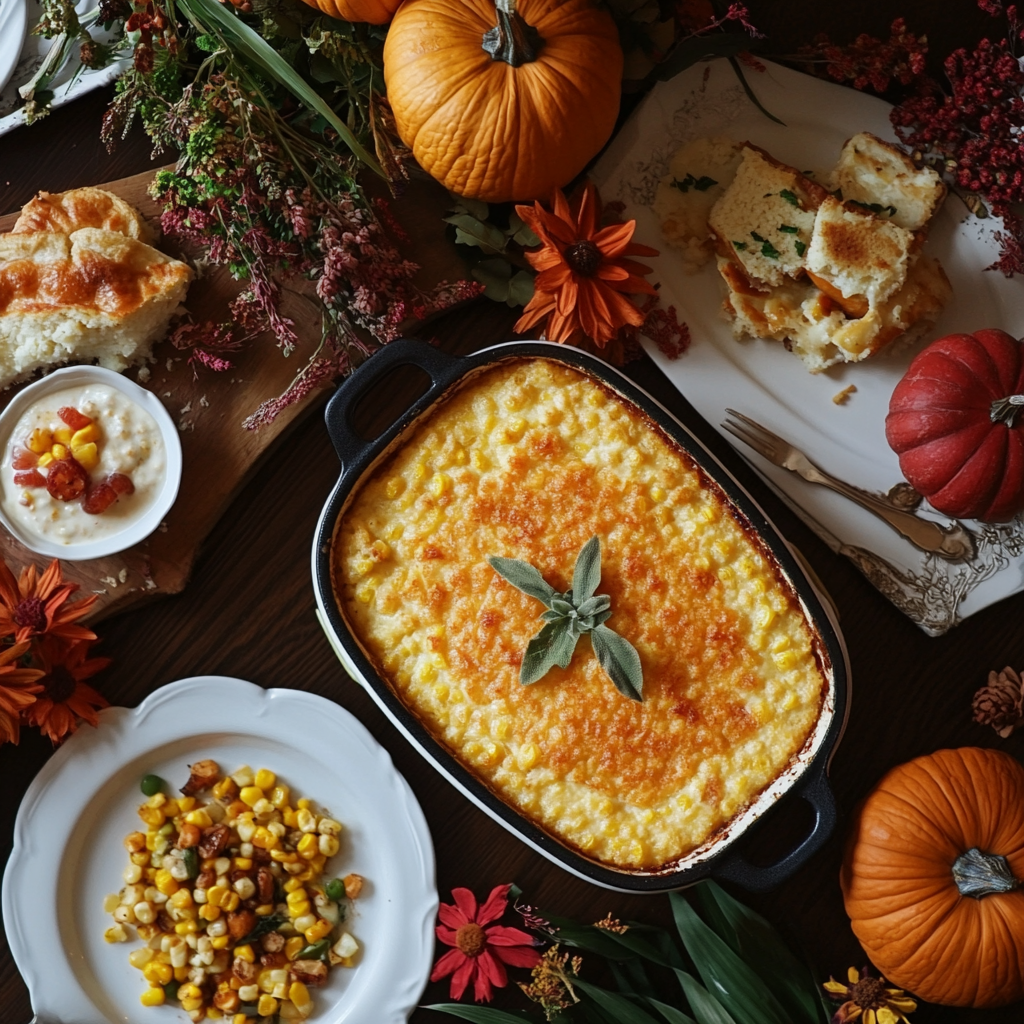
(13, 21)
(68, 846)
(133, 532)
(762, 380)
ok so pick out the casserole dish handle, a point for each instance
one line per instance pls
(442, 369)
(736, 868)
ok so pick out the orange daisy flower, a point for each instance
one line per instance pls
(35, 605)
(583, 273)
(65, 697)
(18, 689)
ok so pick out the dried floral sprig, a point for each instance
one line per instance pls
(571, 615)
(551, 982)
(1000, 703)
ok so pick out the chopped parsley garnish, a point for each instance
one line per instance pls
(770, 251)
(790, 197)
(701, 184)
(876, 208)
(740, 245)
(788, 229)
(756, 237)
(801, 248)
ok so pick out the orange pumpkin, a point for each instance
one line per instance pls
(513, 125)
(932, 874)
(376, 12)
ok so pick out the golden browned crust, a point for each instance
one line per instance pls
(66, 212)
(732, 686)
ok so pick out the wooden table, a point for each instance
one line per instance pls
(249, 610)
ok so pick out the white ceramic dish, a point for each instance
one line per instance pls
(762, 380)
(13, 21)
(68, 846)
(139, 529)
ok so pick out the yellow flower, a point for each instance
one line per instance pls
(869, 1000)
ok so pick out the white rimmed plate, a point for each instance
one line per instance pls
(134, 530)
(767, 383)
(13, 21)
(68, 846)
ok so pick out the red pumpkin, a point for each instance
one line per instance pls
(954, 421)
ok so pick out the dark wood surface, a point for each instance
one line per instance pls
(249, 609)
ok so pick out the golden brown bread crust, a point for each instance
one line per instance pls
(91, 270)
(66, 212)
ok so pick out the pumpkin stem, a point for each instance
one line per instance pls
(1005, 410)
(980, 874)
(512, 39)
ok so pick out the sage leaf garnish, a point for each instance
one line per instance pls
(570, 615)
(790, 197)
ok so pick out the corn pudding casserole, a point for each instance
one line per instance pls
(529, 459)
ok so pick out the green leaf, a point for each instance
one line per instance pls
(587, 574)
(671, 1014)
(760, 945)
(474, 207)
(586, 937)
(519, 231)
(732, 982)
(623, 1010)
(706, 1008)
(751, 95)
(471, 231)
(553, 645)
(209, 14)
(524, 577)
(520, 289)
(479, 1014)
(494, 275)
(594, 605)
(619, 659)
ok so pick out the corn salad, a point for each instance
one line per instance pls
(230, 899)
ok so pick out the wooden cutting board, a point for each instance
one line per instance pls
(209, 407)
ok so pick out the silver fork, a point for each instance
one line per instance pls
(954, 542)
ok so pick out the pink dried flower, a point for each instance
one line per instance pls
(1001, 702)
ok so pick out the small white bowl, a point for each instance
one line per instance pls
(135, 531)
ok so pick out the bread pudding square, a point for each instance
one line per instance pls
(529, 459)
(82, 208)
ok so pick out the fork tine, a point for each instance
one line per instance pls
(755, 427)
(752, 440)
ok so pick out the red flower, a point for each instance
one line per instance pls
(33, 606)
(18, 687)
(65, 696)
(480, 953)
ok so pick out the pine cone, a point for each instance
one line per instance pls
(1000, 703)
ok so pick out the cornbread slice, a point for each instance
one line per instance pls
(855, 255)
(879, 175)
(765, 218)
(93, 294)
(699, 174)
(529, 459)
(81, 208)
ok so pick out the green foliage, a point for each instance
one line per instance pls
(736, 969)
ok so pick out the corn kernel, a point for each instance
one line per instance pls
(199, 817)
(394, 487)
(243, 776)
(299, 995)
(246, 953)
(265, 839)
(40, 441)
(265, 779)
(264, 909)
(297, 895)
(288, 817)
(87, 455)
(153, 996)
(186, 803)
(186, 927)
(305, 819)
(307, 847)
(250, 794)
(292, 884)
(527, 756)
(59, 451)
(181, 974)
(329, 845)
(44, 460)
(300, 909)
(190, 991)
(440, 484)
(279, 796)
(157, 973)
(221, 941)
(154, 817)
(166, 883)
(317, 931)
(304, 921)
(115, 933)
(209, 912)
(138, 958)
(182, 898)
(86, 435)
(267, 1006)
(293, 946)
(225, 789)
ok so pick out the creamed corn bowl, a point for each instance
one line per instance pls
(529, 458)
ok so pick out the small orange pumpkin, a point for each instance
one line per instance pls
(932, 877)
(376, 12)
(508, 103)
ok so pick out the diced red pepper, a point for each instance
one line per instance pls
(66, 479)
(23, 458)
(73, 418)
(99, 499)
(33, 478)
(121, 483)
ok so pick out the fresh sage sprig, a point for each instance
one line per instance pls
(568, 617)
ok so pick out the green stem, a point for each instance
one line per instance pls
(979, 874)
(512, 40)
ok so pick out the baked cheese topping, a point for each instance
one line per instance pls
(530, 459)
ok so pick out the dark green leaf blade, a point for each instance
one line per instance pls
(732, 982)
(524, 577)
(479, 1014)
(622, 1009)
(761, 946)
(619, 659)
(706, 1008)
(553, 645)
(587, 573)
(671, 1014)
(211, 13)
(751, 95)
(698, 48)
